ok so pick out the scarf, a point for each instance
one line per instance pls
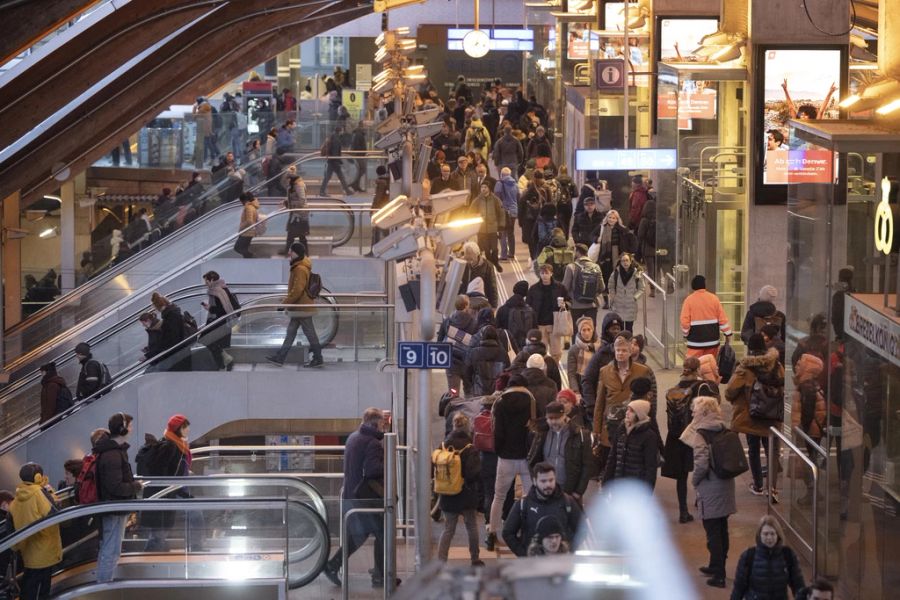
(217, 292)
(182, 446)
(625, 276)
(585, 353)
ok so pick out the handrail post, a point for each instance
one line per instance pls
(665, 331)
(390, 514)
(345, 555)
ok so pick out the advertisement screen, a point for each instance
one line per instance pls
(797, 84)
(679, 37)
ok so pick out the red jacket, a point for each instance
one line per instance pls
(636, 202)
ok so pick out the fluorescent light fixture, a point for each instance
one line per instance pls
(48, 233)
(393, 213)
(460, 223)
(889, 107)
(849, 101)
(52, 197)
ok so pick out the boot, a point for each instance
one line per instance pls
(331, 571)
(315, 362)
(490, 542)
(685, 517)
(605, 302)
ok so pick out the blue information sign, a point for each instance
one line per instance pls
(625, 160)
(421, 355)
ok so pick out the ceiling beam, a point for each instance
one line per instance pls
(26, 22)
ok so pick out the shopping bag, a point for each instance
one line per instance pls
(562, 323)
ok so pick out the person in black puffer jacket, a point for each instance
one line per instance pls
(766, 571)
(172, 334)
(763, 312)
(534, 345)
(541, 387)
(464, 503)
(634, 452)
(486, 361)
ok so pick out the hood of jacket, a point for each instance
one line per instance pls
(53, 379)
(691, 435)
(476, 286)
(462, 319)
(366, 429)
(761, 362)
(536, 377)
(607, 320)
(762, 308)
(29, 494)
(515, 301)
(301, 262)
(808, 368)
(107, 443)
(558, 240)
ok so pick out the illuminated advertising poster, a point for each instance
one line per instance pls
(797, 84)
(679, 37)
(696, 99)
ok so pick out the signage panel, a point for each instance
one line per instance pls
(625, 160)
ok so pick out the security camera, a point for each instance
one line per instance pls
(401, 243)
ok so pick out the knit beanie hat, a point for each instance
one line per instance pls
(768, 293)
(567, 396)
(299, 249)
(83, 348)
(476, 286)
(176, 422)
(640, 387)
(521, 288)
(548, 525)
(641, 408)
(536, 361)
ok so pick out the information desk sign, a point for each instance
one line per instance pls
(423, 355)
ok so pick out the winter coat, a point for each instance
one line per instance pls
(489, 208)
(623, 295)
(541, 387)
(739, 387)
(172, 333)
(515, 302)
(579, 356)
(571, 275)
(508, 193)
(31, 503)
(806, 389)
(115, 480)
(90, 378)
(715, 497)
(467, 499)
(512, 416)
(634, 455)
(484, 363)
(584, 226)
(470, 138)
(603, 356)
(761, 309)
(702, 318)
(636, 202)
(484, 269)
(542, 298)
(530, 203)
(518, 364)
(709, 370)
(611, 392)
(646, 230)
(167, 461)
(464, 321)
(249, 217)
(50, 386)
(578, 456)
(521, 524)
(363, 459)
(765, 573)
(678, 457)
(508, 153)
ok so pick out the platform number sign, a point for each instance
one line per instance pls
(422, 355)
(609, 74)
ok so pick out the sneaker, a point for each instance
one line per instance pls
(315, 362)
(332, 575)
(756, 491)
(707, 571)
(718, 582)
(477, 563)
(274, 361)
(490, 542)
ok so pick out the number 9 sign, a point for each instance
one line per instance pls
(884, 220)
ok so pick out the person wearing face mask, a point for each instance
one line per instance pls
(624, 288)
(222, 302)
(545, 498)
(301, 269)
(558, 441)
(634, 451)
(769, 568)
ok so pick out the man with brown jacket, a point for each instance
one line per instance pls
(614, 394)
(298, 293)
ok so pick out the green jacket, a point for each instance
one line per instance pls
(491, 210)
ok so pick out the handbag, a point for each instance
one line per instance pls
(562, 323)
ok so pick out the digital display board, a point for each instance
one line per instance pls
(625, 160)
(679, 37)
(513, 40)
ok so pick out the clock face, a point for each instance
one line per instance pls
(476, 43)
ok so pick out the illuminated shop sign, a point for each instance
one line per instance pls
(513, 40)
(878, 332)
(884, 220)
(624, 160)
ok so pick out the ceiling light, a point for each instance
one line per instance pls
(51, 232)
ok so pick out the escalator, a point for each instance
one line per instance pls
(358, 336)
(333, 224)
(265, 531)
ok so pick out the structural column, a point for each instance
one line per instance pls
(67, 249)
(11, 264)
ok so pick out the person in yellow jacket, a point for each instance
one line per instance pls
(42, 550)
(298, 293)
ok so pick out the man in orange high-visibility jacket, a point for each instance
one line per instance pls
(702, 318)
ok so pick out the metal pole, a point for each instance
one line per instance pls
(390, 514)
(345, 555)
(626, 54)
(665, 331)
(524, 85)
(423, 415)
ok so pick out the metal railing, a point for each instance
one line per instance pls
(663, 338)
(811, 546)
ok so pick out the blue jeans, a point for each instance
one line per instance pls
(112, 529)
(508, 238)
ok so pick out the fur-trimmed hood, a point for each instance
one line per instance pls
(761, 362)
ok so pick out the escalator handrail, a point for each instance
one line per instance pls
(125, 376)
(110, 274)
(155, 283)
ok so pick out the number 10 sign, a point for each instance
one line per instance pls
(423, 355)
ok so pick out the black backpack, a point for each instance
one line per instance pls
(478, 140)
(190, 324)
(105, 380)
(520, 320)
(64, 399)
(726, 454)
(767, 399)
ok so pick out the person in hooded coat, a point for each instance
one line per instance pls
(465, 503)
(535, 345)
(541, 387)
(605, 354)
(34, 500)
(172, 333)
(763, 312)
(477, 300)
(477, 266)
(584, 346)
(458, 329)
(515, 317)
(566, 192)
(769, 568)
(485, 360)
(634, 450)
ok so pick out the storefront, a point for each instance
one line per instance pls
(842, 305)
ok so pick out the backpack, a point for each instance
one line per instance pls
(726, 362)
(760, 322)
(588, 276)
(146, 456)
(520, 320)
(459, 339)
(190, 324)
(64, 400)
(105, 380)
(483, 428)
(86, 485)
(478, 388)
(545, 232)
(767, 400)
(558, 258)
(314, 285)
(448, 476)
(478, 140)
(726, 454)
(454, 404)
(678, 407)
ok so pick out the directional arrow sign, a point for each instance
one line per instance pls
(625, 160)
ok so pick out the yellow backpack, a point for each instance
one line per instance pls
(448, 477)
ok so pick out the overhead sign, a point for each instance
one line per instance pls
(513, 40)
(609, 74)
(423, 355)
(625, 160)
(876, 331)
